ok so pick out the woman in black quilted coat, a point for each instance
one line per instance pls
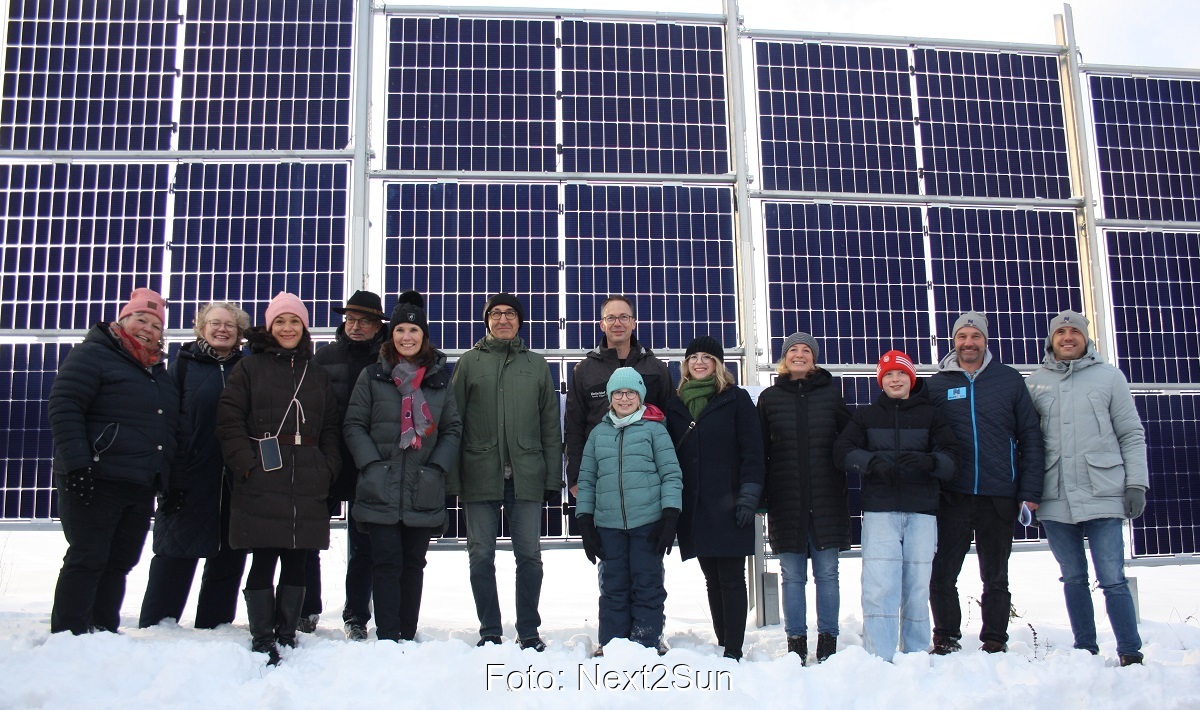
(192, 518)
(807, 513)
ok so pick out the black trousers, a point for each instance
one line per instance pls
(359, 574)
(262, 567)
(170, 582)
(991, 520)
(105, 540)
(725, 578)
(399, 578)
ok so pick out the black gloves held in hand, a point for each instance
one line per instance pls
(664, 532)
(81, 484)
(914, 461)
(882, 469)
(592, 546)
(553, 497)
(172, 501)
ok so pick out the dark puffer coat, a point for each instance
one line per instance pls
(285, 507)
(721, 458)
(998, 429)
(888, 428)
(398, 484)
(344, 360)
(587, 397)
(195, 531)
(108, 412)
(801, 419)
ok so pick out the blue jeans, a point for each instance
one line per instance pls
(525, 529)
(794, 568)
(897, 553)
(1108, 557)
(632, 593)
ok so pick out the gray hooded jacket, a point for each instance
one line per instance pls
(1095, 443)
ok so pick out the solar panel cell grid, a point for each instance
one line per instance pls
(88, 76)
(1155, 281)
(835, 118)
(669, 248)
(1170, 524)
(26, 447)
(243, 233)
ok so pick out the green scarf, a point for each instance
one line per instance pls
(696, 393)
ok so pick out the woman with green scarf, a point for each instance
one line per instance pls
(718, 437)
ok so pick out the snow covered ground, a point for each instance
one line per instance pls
(179, 667)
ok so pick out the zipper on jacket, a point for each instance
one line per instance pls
(974, 429)
(1012, 458)
(621, 476)
(295, 513)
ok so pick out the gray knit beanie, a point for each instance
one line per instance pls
(973, 319)
(796, 339)
(1071, 318)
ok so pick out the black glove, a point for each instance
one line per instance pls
(80, 484)
(664, 532)
(882, 469)
(172, 501)
(914, 461)
(553, 497)
(592, 547)
(1135, 502)
(747, 503)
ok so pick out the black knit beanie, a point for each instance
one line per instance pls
(410, 308)
(504, 299)
(706, 344)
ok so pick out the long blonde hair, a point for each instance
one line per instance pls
(723, 376)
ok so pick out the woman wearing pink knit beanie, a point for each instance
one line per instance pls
(279, 431)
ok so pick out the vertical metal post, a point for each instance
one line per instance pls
(1076, 119)
(745, 245)
(360, 168)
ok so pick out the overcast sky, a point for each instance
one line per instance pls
(1164, 33)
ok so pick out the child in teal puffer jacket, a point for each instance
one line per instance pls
(630, 494)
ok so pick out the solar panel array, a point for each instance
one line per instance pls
(1171, 523)
(968, 132)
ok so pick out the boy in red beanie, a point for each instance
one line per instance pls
(901, 447)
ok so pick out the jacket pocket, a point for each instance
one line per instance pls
(104, 440)
(1099, 401)
(1052, 480)
(429, 489)
(1106, 471)
(372, 487)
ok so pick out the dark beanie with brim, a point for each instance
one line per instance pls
(504, 299)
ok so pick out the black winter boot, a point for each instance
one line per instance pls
(826, 646)
(260, 609)
(799, 646)
(288, 606)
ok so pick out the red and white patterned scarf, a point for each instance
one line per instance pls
(416, 421)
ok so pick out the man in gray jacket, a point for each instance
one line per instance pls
(1096, 477)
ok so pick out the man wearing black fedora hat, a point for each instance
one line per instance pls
(357, 345)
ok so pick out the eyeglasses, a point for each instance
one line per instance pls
(700, 357)
(502, 315)
(624, 394)
(623, 318)
(221, 325)
(360, 322)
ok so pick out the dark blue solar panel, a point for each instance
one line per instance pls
(26, 447)
(669, 248)
(246, 232)
(75, 240)
(992, 125)
(851, 275)
(267, 75)
(1171, 522)
(1017, 267)
(834, 118)
(470, 94)
(644, 98)
(1148, 143)
(1155, 281)
(458, 244)
(84, 75)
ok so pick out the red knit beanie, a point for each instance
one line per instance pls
(144, 300)
(896, 360)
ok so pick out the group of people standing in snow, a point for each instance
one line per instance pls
(252, 453)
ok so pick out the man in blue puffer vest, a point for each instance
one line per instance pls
(1000, 466)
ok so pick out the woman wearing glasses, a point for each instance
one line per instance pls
(192, 520)
(719, 440)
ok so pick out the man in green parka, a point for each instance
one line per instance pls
(511, 459)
